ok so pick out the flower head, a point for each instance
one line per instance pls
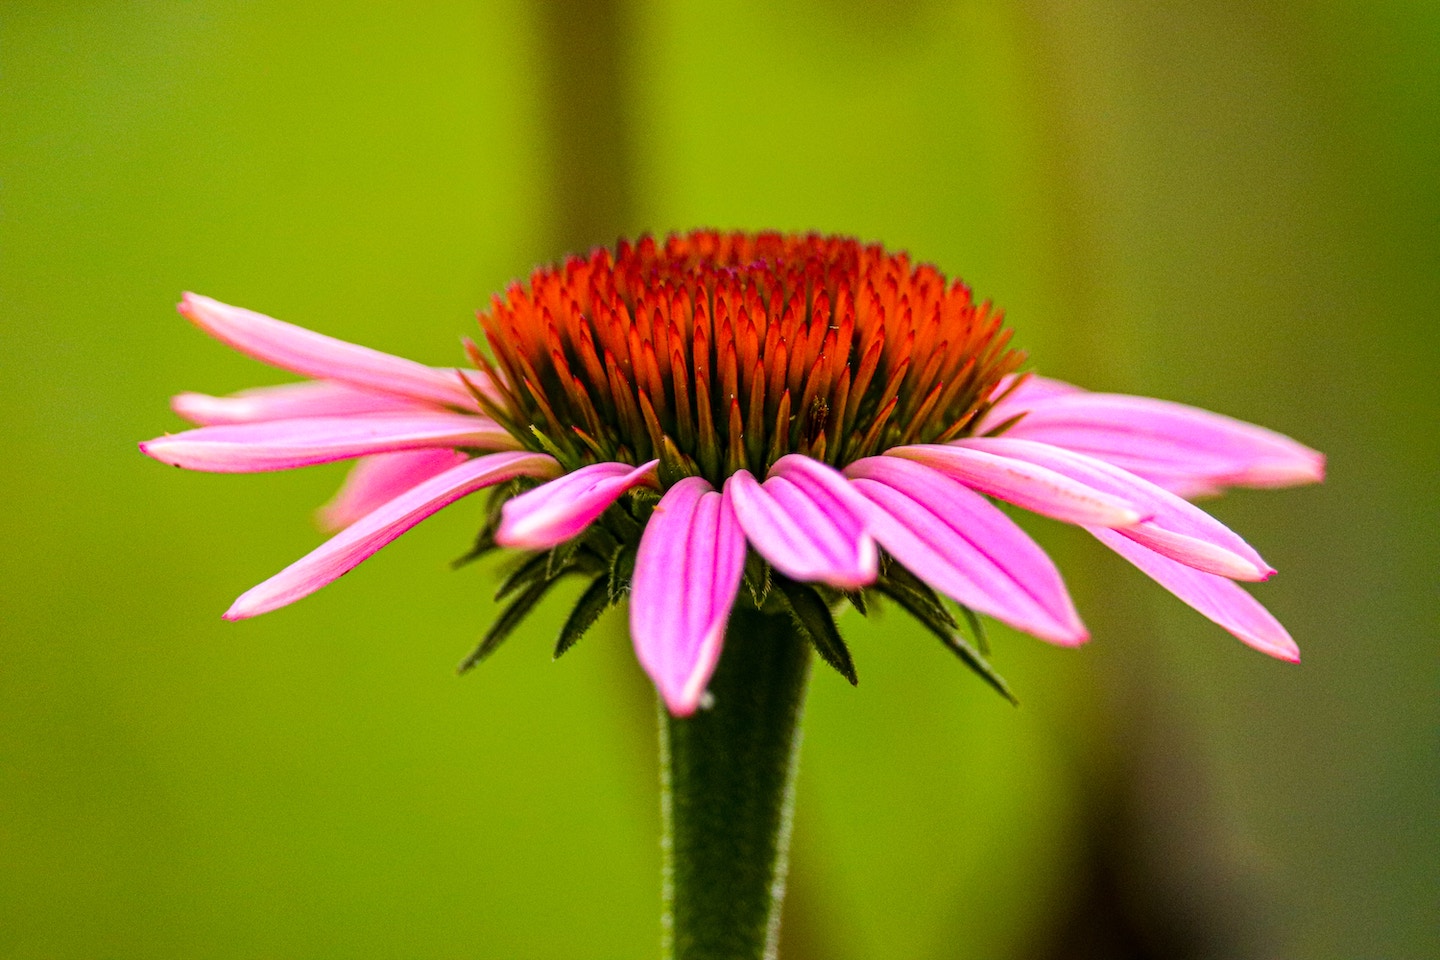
(809, 416)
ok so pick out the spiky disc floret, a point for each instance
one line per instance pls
(715, 352)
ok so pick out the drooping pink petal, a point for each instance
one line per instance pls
(1176, 528)
(1179, 447)
(357, 542)
(376, 480)
(313, 398)
(312, 354)
(1037, 488)
(804, 537)
(687, 573)
(557, 511)
(1032, 389)
(1224, 602)
(842, 504)
(286, 444)
(965, 547)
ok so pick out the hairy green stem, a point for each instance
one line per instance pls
(727, 795)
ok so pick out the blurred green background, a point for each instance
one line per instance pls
(1235, 205)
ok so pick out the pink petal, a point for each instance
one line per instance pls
(285, 444)
(342, 552)
(313, 398)
(376, 480)
(1216, 597)
(843, 506)
(826, 485)
(312, 354)
(687, 573)
(1173, 445)
(1177, 529)
(1032, 389)
(1040, 489)
(965, 547)
(557, 511)
(805, 537)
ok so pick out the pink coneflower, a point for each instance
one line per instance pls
(764, 419)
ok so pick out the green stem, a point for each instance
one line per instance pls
(727, 795)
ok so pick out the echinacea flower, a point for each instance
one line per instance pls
(807, 416)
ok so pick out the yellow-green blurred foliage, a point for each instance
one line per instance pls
(1229, 204)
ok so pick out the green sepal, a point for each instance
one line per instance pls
(977, 628)
(813, 617)
(506, 623)
(599, 539)
(593, 602)
(485, 539)
(757, 578)
(549, 445)
(856, 599)
(561, 556)
(484, 544)
(924, 605)
(917, 594)
(642, 501)
(622, 568)
(533, 568)
(547, 565)
(976, 661)
(1005, 424)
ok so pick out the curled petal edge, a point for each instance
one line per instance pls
(561, 509)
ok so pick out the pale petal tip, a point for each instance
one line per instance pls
(154, 450)
(679, 705)
(250, 604)
(1306, 465)
(1128, 516)
(187, 404)
(523, 535)
(1065, 630)
(191, 304)
(330, 519)
(1299, 470)
(1254, 572)
(1271, 639)
(683, 699)
(1279, 646)
(867, 562)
